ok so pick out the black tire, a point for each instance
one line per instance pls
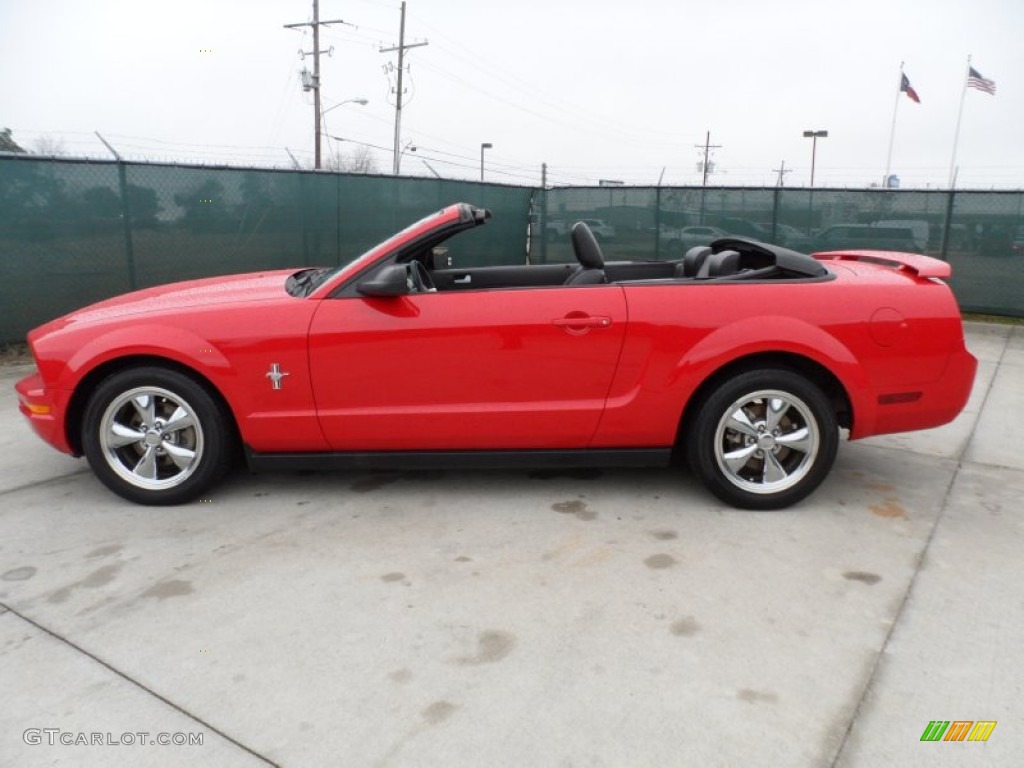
(779, 449)
(156, 436)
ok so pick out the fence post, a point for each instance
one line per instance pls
(657, 223)
(947, 226)
(337, 220)
(126, 217)
(775, 213)
(543, 234)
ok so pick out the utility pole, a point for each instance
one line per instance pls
(782, 172)
(401, 48)
(314, 85)
(707, 146)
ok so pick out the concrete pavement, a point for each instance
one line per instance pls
(616, 618)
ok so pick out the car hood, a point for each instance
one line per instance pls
(255, 286)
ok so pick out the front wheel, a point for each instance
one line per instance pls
(763, 440)
(156, 436)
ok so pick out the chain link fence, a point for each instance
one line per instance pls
(75, 232)
(980, 233)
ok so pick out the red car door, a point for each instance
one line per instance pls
(499, 369)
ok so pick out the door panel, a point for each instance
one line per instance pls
(465, 370)
(482, 278)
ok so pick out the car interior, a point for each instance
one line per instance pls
(726, 260)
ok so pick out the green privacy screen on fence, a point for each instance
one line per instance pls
(980, 233)
(74, 232)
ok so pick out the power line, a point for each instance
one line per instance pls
(706, 167)
(314, 84)
(551, 101)
(401, 48)
(782, 171)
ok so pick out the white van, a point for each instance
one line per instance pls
(918, 227)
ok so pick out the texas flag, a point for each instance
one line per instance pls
(908, 89)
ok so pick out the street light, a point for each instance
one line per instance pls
(409, 147)
(321, 122)
(814, 136)
(485, 145)
(361, 101)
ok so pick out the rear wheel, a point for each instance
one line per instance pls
(156, 436)
(763, 440)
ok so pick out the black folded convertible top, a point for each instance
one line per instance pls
(758, 255)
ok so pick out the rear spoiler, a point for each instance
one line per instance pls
(914, 263)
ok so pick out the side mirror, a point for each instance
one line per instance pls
(392, 280)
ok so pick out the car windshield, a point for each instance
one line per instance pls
(305, 281)
(326, 274)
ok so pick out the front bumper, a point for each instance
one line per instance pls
(45, 410)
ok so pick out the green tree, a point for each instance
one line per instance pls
(204, 207)
(144, 206)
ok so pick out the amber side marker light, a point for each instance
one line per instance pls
(899, 397)
(37, 409)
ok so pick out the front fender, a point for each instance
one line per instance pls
(149, 339)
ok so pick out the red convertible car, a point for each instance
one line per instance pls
(746, 358)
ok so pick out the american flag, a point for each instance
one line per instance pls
(975, 80)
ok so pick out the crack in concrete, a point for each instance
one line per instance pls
(132, 681)
(898, 617)
(45, 481)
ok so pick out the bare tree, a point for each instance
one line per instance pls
(359, 160)
(45, 145)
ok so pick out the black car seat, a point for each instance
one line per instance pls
(692, 261)
(720, 264)
(588, 254)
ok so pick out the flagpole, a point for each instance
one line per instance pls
(892, 133)
(959, 115)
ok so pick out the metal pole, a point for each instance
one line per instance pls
(126, 213)
(485, 145)
(813, 136)
(398, 96)
(543, 213)
(814, 154)
(657, 219)
(316, 82)
(396, 153)
(776, 194)
(707, 151)
(892, 131)
(956, 135)
(947, 225)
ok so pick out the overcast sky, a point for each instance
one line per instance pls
(597, 89)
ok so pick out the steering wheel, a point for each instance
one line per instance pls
(419, 278)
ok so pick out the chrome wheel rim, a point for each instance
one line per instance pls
(767, 441)
(151, 438)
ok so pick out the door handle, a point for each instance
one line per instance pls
(581, 325)
(463, 280)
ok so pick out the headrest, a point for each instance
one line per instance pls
(588, 252)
